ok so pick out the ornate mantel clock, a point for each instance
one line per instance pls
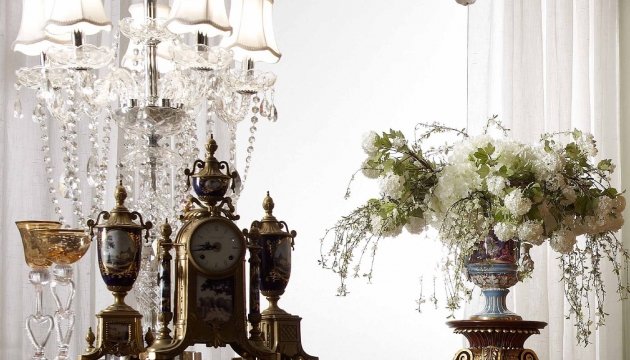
(210, 279)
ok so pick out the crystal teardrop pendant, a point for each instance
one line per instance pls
(264, 108)
(17, 109)
(273, 114)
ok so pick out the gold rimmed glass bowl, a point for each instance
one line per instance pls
(34, 249)
(65, 246)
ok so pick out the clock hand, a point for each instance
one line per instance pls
(205, 247)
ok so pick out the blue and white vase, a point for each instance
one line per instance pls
(493, 267)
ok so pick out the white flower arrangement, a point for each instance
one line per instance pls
(548, 191)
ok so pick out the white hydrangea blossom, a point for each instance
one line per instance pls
(496, 185)
(620, 203)
(507, 152)
(546, 165)
(368, 143)
(605, 206)
(563, 241)
(415, 225)
(368, 171)
(398, 142)
(384, 227)
(569, 195)
(587, 145)
(531, 231)
(516, 203)
(505, 231)
(392, 185)
(456, 182)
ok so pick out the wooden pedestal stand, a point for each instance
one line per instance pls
(496, 339)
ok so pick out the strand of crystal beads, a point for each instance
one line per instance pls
(72, 188)
(39, 117)
(104, 164)
(95, 166)
(209, 117)
(188, 151)
(232, 133)
(250, 148)
(147, 290)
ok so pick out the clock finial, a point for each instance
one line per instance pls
(120, 194)
(166, 230)
(211, 146)
(268, 205)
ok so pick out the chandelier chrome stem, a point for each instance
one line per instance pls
(202, 39)
(153, 143)
(77, 38)
(151, 71)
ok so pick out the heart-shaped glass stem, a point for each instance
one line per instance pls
(42, 326)
(38, 326)
(64, 315)
(64, 324)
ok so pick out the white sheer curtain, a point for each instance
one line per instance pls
(550, 65)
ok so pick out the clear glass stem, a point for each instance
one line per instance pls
(38, 322)
(64, 315)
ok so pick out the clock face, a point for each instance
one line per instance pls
(215, 247)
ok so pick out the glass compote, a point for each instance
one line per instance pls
(35, 256)
(65, 247)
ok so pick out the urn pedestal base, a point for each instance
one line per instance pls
(281, 332)
(496, 339)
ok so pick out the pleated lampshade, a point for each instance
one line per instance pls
(252, 36)
(32, 39)
(87, 16)
(208, 17)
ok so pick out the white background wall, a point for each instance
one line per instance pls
(349, 67)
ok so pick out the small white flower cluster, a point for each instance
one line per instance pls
(517, 204)
(456, 182)
(384, 226)
(531, 231)
(496, 185)
(368, 143)
(392, 185)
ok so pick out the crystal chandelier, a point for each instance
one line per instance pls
(187, 69)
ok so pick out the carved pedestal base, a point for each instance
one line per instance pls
(496, 339)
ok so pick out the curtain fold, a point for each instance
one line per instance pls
(548, 66)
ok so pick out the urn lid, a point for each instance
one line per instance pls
(269, 225)
(120, 217)
(211, 166)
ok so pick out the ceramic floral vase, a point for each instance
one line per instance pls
(493, 266)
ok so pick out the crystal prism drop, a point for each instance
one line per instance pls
(264, 108)
(17, 109)
(92, 171)
(273, 114)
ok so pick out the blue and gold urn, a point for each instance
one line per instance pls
(210, 184)
(119, 241)
(276, 242)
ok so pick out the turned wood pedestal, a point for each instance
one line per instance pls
(496, 339)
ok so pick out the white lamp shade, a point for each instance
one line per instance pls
(252, 35)
(87, 16)
(208, 17)
(32, 39)
(133, 55)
